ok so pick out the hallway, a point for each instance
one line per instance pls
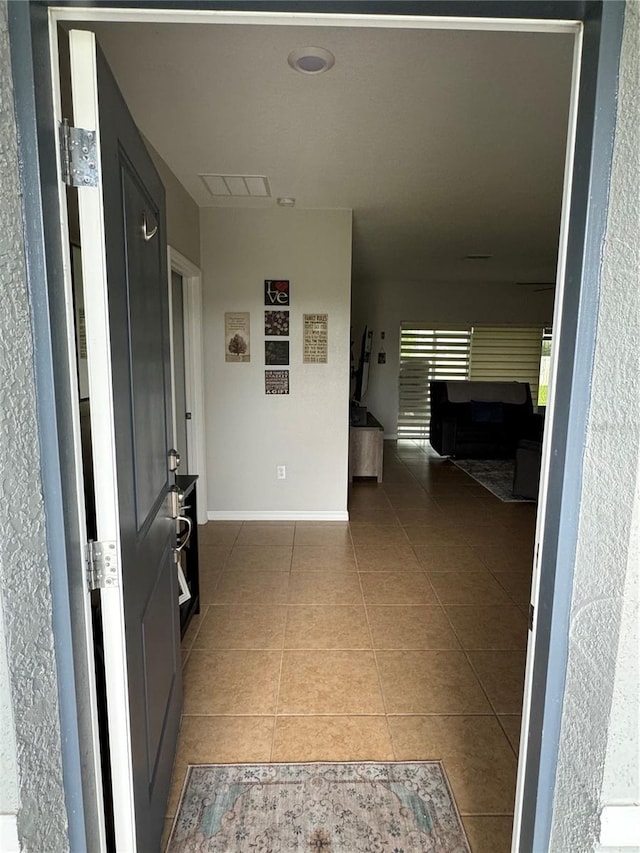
(399, 635)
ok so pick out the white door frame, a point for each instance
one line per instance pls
(193, 371)
(87, 15)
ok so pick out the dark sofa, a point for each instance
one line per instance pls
(481, 420)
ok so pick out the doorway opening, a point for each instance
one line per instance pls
(179, 374)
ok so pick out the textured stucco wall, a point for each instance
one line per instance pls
(30, 685)
(597, 680)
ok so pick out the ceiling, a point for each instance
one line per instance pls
(444, 143)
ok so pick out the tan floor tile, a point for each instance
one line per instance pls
(398, 481)
(273, 534)
(501, 626)
(219, 740)
(411, 627)
(415, 500)
(192, 629)
(332, 739)
(373, 535)
(327, 627)
(399, 558)
(502, 676)
(477, 757)
(219, 533)
(332, 558)
(421, 535)
(372, 516)
(209, 580)
(489, 834)
(213, 557)
(242, 626)
(429, 516)
(484, 535)
(323, 533)
(329, 682)
(429, 682)
(325, 588)
(512, 723)
(396, 588)
(367, 496)
(517, 585)
(468, 588)
(500, 558)
(231, 682)
(246, 587)
(468, 511)
(449, 558)
(260, 558)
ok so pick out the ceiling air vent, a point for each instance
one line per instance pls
(237, 186)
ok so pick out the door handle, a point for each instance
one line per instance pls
(148, 235)
(187, 535)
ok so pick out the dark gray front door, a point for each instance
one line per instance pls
(137, 345)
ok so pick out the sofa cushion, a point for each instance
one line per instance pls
(486, 413)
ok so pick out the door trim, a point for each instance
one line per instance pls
(193, 370)
(82, 47)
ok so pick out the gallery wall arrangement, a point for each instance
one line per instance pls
(315, 336)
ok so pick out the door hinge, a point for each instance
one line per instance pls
(102, 564)
(78, 156)
(532, 613)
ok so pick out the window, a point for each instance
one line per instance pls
(506, 353)
(427, 354)
(481, 353)
(545, 368)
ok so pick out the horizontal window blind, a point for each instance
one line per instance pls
(427, 354)
(507, 354)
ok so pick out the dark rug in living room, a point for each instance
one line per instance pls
(333, 808)
(496, 475)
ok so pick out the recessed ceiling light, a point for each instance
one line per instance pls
(286, 201)
(311, 60)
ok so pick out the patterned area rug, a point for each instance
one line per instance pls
(494, 474)
(331, 808)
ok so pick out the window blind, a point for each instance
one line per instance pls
(427, 354)
(507, 354)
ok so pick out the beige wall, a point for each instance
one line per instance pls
(183, 214)
(384, 306)
(248, 432)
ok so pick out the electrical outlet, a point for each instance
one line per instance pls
(281, 472)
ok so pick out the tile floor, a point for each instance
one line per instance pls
(400, 635)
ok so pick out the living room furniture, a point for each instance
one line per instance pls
(365, 449)
(526, 476)
(480, 420)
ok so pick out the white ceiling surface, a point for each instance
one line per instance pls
(443, 143)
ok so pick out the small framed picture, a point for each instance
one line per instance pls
(276, 381)
(276, 352)
(276, 323)
(276, 292)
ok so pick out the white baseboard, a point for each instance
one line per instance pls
(620, 826)
(276, 515)
(9, 834)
